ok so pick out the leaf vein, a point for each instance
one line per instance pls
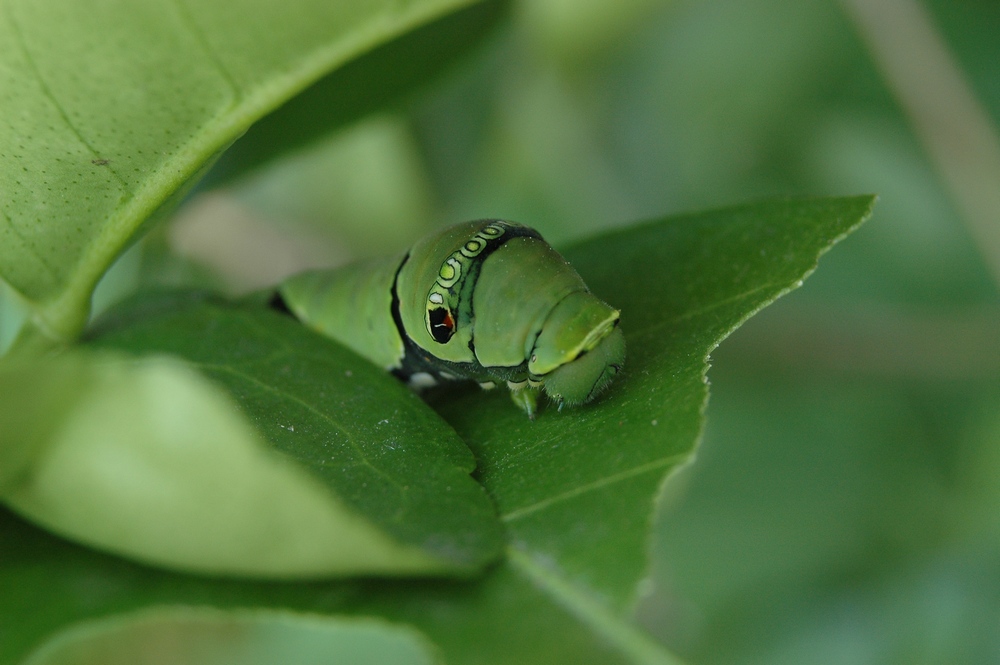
(592, 486)
(656, 327)
(30, 247)
(47, 92)
(184, 12)
(634, 643)
(312, 409)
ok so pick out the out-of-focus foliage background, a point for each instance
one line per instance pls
(845, 506)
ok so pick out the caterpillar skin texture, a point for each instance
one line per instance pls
(488, 300)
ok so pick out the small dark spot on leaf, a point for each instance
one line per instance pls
(100, 162)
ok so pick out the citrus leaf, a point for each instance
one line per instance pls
(148, 459)
(347, 94)
(48, 585)
(577, 489)
(195, 636)
(111, 109)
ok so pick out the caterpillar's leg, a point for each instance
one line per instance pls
(524, 396)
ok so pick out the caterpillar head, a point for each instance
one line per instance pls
(579, 350)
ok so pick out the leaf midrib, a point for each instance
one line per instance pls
(64, 315)
(593, 485)
(636, 645)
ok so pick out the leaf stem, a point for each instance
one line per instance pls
(632, 642)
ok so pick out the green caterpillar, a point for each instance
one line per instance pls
(488, 300)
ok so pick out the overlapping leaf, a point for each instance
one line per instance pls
(145, 459)
(213, 637)
(576, 489)
(111, 109)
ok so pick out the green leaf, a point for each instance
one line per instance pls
(111, 109)
(148, 459)
(577, 488)
(347, 94)
(209, 637)
(48, 584)
(36, 398)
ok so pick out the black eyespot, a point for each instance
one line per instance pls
(442, 324)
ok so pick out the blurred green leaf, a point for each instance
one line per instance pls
(87, 159)
(12, 315)
(48, 584)
(188, 636)
(364, 188)
(380, 78)
(576, 489)
(36, 398)
(149, 460)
